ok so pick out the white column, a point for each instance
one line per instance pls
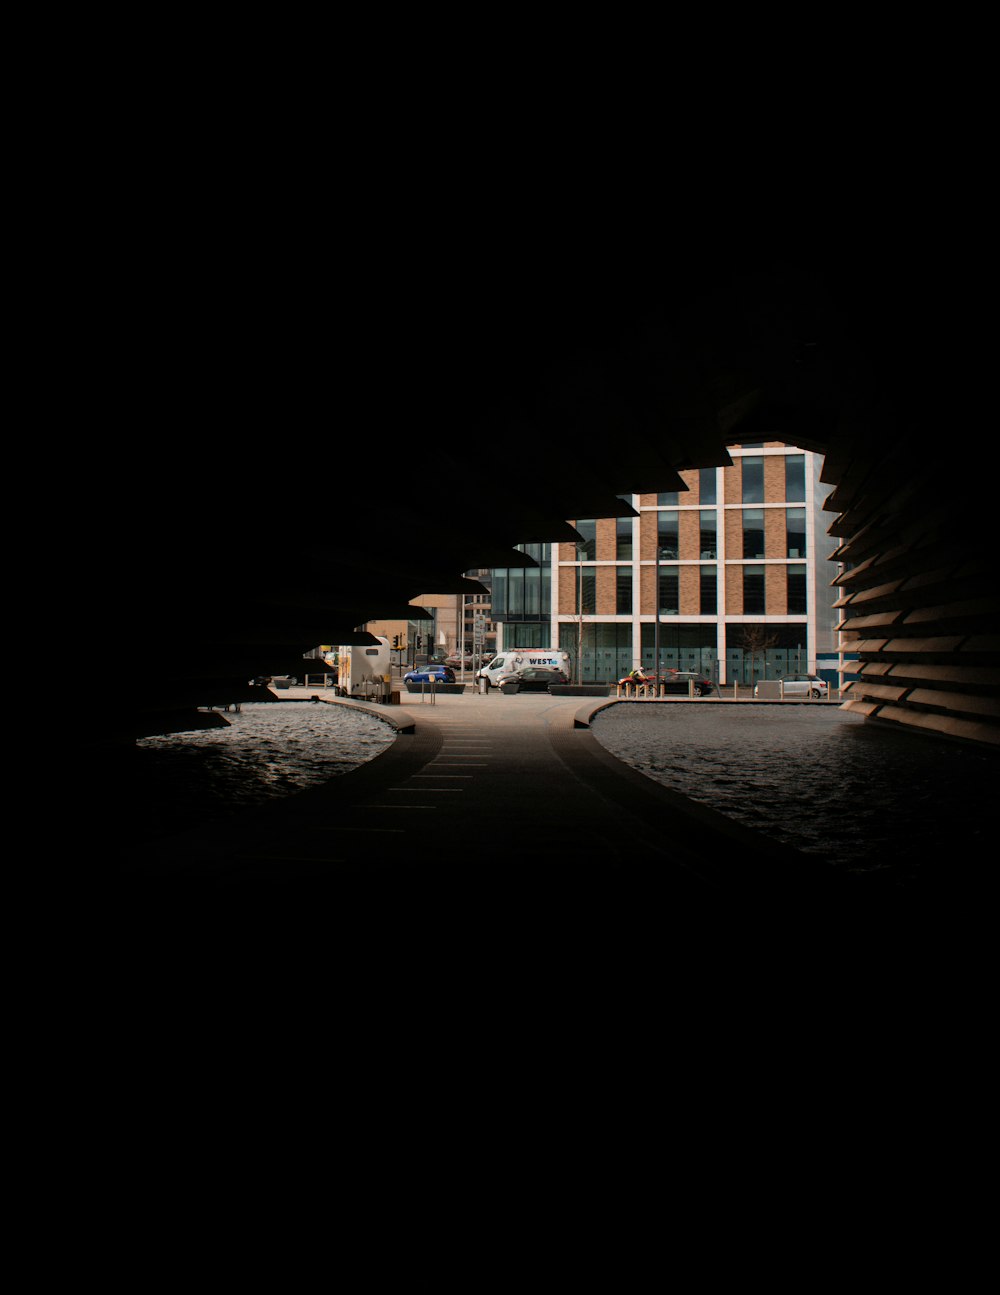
(720, 584)
(812, 557)
(636, 587)
(554, 596)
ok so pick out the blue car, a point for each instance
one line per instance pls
(438, 673)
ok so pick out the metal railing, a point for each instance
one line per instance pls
(650, 689)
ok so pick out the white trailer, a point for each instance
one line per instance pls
(365, 671)
(523, 659)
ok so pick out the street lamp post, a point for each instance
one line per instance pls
(656, 596)
(579, 623)
(461, 637)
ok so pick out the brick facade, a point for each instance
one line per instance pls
(690, 591)
(776, 590)
(647, 589)
(734, 592)
(733, 483)
(647, 537)
(734, 534)
(689, 534)
(687, 568)
(774, 532)
(606, 539)
(605, 586)
(774, 477)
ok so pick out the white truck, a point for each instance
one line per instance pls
(365, 671)
(521, 659)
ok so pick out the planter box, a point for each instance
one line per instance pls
(438, 688)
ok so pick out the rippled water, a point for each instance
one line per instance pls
(819, 779)
(269, 750)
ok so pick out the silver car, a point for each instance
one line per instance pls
(802, 685)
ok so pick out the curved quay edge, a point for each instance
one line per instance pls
(402, 723)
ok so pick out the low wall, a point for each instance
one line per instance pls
(453, 688)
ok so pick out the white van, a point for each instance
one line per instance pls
(365, 671)
(520, 659)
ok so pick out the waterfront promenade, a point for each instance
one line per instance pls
(486, 803)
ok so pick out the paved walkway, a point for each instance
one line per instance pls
(494, 804)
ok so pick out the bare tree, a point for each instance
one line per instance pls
(755, 640)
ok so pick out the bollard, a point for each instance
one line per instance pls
(690, 687)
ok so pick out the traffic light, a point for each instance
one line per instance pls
(395, 641)
(420, 642)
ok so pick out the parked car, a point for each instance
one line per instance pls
(454, 659)
(532, 679)
(427, 673)
(802, 685)
(676, 681)
(514, 660)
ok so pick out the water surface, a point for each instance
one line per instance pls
(269, 750)
(820, 779)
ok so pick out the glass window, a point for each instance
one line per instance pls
(532, 591)
(753, 591)
(669, 591)
(753, 532)
(753, 480)
(515, 592)
(499, 592)
(604, 651)
(623, 591)
(666, 524)
(795, 532)
(685, 647)
(709, 534)
(797, 590)
(668, 499)
(709, 591)
(588, 531)
(795, 478)
(706, 486)
(623, 538)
